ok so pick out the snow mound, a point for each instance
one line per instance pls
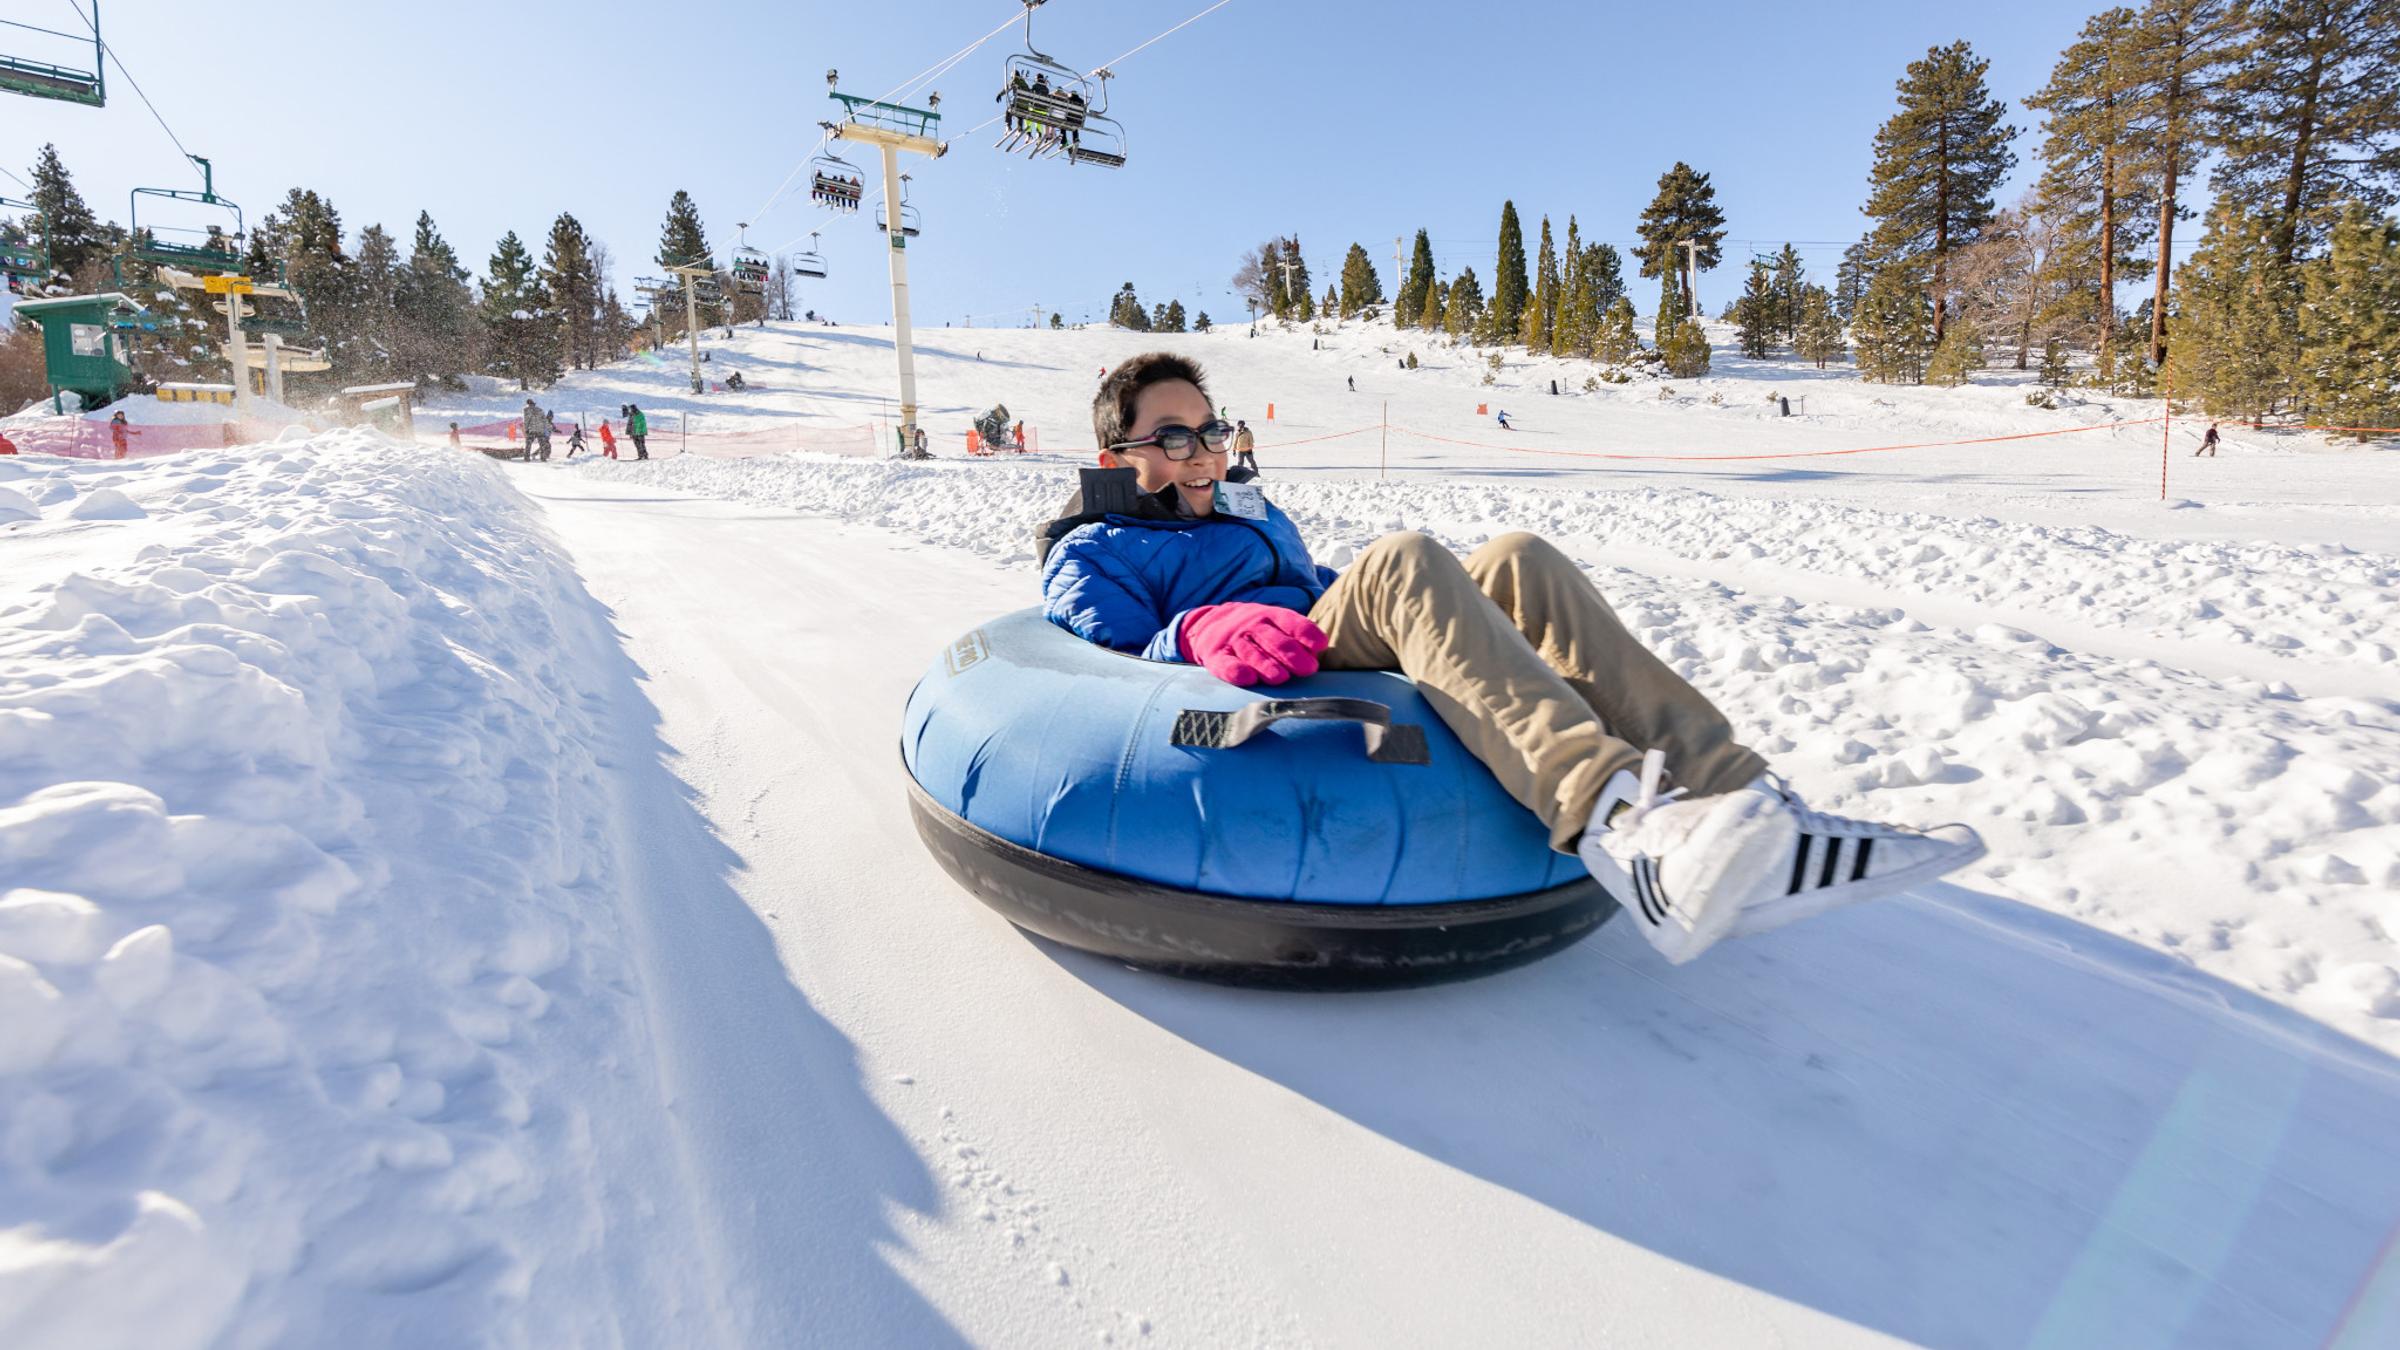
(310, 981)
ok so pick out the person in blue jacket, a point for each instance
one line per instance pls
(1630, 767)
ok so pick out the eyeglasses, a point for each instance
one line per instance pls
(1181, 442)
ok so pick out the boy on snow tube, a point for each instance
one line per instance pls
(1515, 649)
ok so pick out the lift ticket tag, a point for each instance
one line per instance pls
(1241, 499)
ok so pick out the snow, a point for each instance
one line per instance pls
(445, 902)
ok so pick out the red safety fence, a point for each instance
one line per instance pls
(86, 438)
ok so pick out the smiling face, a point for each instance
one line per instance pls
(1172, 403)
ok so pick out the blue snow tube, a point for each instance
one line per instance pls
(1330, 832)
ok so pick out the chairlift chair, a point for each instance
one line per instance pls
(836, 183)
(1098, 139)
(811, 263)
(1044, 102)
(750, 267)
(28, 260)
(217, 251)
(909, 224)
(40, 79)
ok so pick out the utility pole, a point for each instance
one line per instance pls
(1287, 266)
(1399, 279)
(1691, 275)
(892, 128)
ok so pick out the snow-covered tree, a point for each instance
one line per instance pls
(1616, 342)
(1758, 314)
(1464, 308)
(1819, 341)
(521, 340)
(1125, 310)
(1893, 328)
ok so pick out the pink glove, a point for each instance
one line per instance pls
(1246, 643)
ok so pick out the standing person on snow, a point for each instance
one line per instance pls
(608, 440)
(575, 440)
(118, 431)
(637, 426)
(1244, 446)
(2208, 443)
(455, 442)
(537, 430)
(1515, 649)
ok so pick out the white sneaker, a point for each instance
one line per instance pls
(1840, 861)
(1690, 873)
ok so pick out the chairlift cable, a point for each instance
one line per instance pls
(932, 72)
(12, 173)
(1111, 65)
(111, 49)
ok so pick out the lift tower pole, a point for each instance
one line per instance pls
(893, 129)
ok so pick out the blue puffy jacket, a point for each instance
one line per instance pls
(1126, 581)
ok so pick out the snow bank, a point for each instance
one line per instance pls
(311, 986)
(2190, 744)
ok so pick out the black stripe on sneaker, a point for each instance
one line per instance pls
(1800, 865)
(1658, 888)
(1641, 889)
(1858, 869)
(1833, 862)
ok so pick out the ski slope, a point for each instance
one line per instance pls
(547, 956)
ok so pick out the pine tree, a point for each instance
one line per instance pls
(1437, 299)
(2236, 308)
(1685, 351)
(1685, 208)
(2087, 180)
(1508, 280)
(76, 239)
(2350, 325)
(1850, 279)
(1758, 314)
(1819, 340)
(1578, 318)
(1937, 162)
(1790, 279)
(2057, 369)
(1604, 273)
(683, 242)
(1958, 355)
(1360, 286)
(1331, 306)
(512, 305)
(1673, 309)
(375, 316)
(1465, 308)
(1299, 299)
(2311, 115)
(1200, 323)
(1616, 342)
(1893, 328)
(2180, 52)
(435, 311)
(1125, 311)
(1535, 325)
(571, 290)
(1408, 305)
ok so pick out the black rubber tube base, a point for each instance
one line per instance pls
(1272, 944)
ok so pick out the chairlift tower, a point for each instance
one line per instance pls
(692, 275)
(892, 129)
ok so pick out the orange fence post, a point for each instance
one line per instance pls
(1483, 409)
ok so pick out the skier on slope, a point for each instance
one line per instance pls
(1245, 447)
(1503, 416)
(2208, 443)
(1518, 652)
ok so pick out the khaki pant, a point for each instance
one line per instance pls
(1530, 668)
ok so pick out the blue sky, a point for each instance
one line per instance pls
(1337, 122)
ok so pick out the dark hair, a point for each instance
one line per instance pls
(1112, 407)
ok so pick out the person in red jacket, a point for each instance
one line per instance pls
(7, 446)
(118, 431)
(608, 440)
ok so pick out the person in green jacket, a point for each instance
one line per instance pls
(637, 426)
